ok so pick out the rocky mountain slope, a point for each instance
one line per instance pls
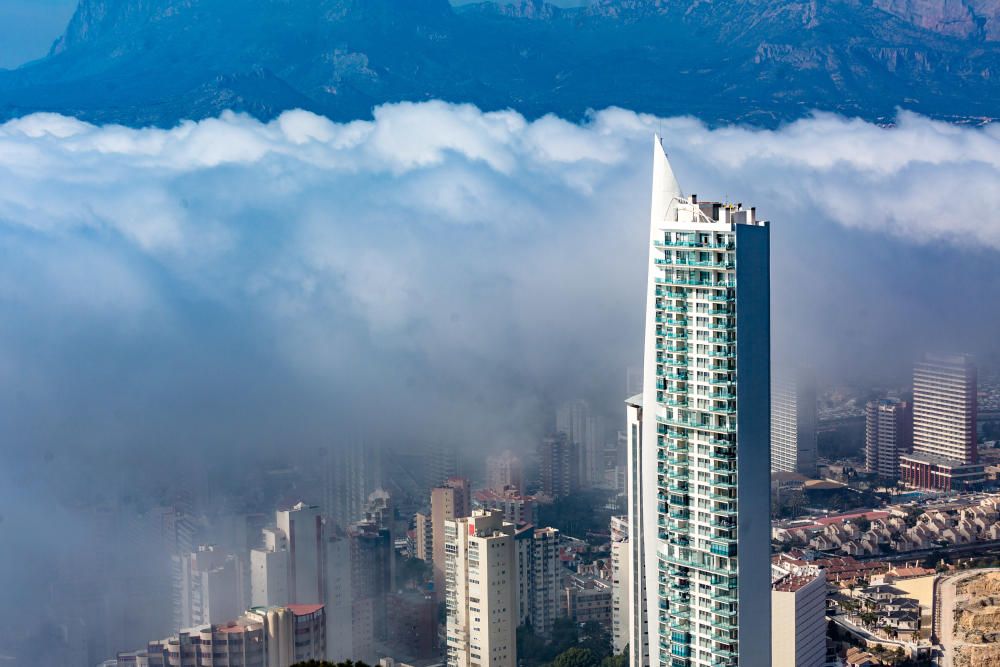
(759, 61)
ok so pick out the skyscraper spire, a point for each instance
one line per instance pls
(665, 187)
(701, 469)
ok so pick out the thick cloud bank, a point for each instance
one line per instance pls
(451, 268)
(180, 307)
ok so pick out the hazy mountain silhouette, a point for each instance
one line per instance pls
(761, 61)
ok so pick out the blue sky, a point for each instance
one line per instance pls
(28, 28)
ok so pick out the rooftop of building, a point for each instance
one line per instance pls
(303, 609)
(935, 459)
(794, 582)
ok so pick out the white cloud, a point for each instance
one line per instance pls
(470, 254)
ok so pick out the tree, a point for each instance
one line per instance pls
(576, 657)
(595, 638)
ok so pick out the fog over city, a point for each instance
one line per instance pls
(184, 310)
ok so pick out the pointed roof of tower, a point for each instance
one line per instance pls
(665, 186)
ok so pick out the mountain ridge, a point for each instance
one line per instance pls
(154, 62)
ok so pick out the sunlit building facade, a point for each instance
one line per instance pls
(481, 591)
(706, 434)
(945, 411)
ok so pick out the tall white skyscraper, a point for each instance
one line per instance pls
(945, 410)
(481, 591)
(706, 432)
(793, 422)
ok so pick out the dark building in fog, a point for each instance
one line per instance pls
(888, 434)
(558, 462)
(371, 563)
(412, 617)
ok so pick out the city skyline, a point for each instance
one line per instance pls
(373, 330)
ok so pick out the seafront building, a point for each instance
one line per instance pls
(945, 409)
(705, 431)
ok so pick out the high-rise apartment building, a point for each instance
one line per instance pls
(516, 508)
(505, 471)
(353, 471)
(452, 500)
(539, 578)
(269, 566)
(706, 433)
(371, 571)
(480, 591)
(888, 434)
(423, 537)
(211, 587)
(793, 422)
(944, 425)
(798, 608)
(575, 419)
(620, 592)
(558, 463)
(344, 635)
(638, 626)
(302, 563)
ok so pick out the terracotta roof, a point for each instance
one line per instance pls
(304, 609)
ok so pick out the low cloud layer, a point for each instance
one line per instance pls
(163, 286)
(230, 291)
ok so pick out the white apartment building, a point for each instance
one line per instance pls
(793, 422)
(299, 564)
(706, 431)
(798, 616)
(269, 570)
(637, 617)
(481, 574)
(211, 587)
(620, 593)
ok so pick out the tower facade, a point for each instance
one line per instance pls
(451, 501)
(706, 431)
(888, 434)
(481, 591)
(944, 425)
(558, 465)
(793, 422)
